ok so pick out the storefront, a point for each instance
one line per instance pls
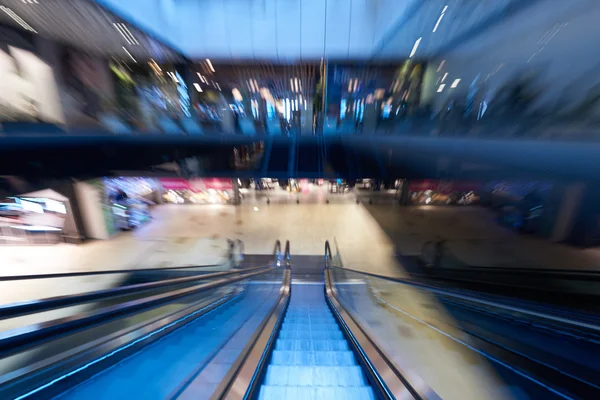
(430, 192)
(109, 205)
(41, 217)
(197, 190)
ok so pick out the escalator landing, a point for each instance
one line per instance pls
(307, 269)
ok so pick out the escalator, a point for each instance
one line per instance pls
(305, 330)
(281, 327)
(312, 359)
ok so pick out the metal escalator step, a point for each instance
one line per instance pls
(315, 393)
(346, 376)
(311, 335)
(313, 358)
(313, 345)
(312, 327)
(306, 321)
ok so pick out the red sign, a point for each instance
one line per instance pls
(218, 183)
(174, 183)
(197, 184)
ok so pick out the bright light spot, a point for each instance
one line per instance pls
(129, 54)
(428, 200)
(210, 65)
(255, 208)
(455, 83)
(17, 19)
(442, 86)
(197, 86)
(444, 77)
(441, 65)
(237, 94)
(415, 47)
(438, 22)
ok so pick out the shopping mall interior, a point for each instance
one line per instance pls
(300, 199)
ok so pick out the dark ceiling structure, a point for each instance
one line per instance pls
(347, 157)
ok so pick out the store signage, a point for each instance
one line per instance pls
(197, 184)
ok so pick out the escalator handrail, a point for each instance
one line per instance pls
(286, 254)
(244, 378)
(484, 302)
(387, 377)
(328, 256)
(12, 310)
(94, 273)
(277, 249)
(16, 340)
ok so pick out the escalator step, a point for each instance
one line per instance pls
(293, 326)
(347, 376)
(311, 335)
(313, 358)
(314, 345)
(316, 393)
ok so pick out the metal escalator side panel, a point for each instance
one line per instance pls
(246, 373)
(384, 375)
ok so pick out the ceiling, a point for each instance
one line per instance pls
(306, 30)
(85, 25)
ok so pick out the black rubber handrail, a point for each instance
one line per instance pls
(93, 273)
(286, 254)
(382, 380)
(328, 255)
(34, 306)
(26, 337)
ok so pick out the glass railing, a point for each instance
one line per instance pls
(114, 337)
(67, 295)
(465, 351)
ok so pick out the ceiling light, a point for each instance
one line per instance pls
(438, 22)
(442, 86)
(444, 77)
(17, 19)
(197, 86)
(210, 65)
(255, 208)
(455, 83)
(128, 33)
(415, 47)
(119, 29)
(441, 66)
(237, 94)
(129, 54)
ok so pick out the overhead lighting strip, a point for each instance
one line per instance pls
(129, 54)
(440, 19)
(118, 28)
(17, 19)
(415, 47)
(129, 34)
